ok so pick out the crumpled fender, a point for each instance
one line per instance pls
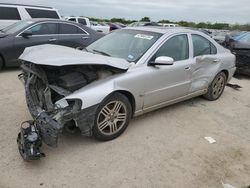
(93, 93)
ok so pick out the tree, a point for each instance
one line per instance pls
(164, 21)
(145, 19)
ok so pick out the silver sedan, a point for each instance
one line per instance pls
(122, 75)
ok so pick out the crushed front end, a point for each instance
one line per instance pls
(44, 86)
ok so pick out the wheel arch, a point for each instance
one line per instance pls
(226, 73)
(130, 97)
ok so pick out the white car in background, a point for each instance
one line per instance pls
(102, 28)
(12, 13)
(170, 25)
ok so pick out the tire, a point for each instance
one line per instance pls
(217, 87)
(1, 63)
(112, 117)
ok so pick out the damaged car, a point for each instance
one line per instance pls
(127, 73)
(241, 48)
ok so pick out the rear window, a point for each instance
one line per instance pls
(70, 29)
(82, 21)
(38, 13)
(9, 13)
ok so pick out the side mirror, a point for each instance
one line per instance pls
(163, 60)
(26, 34)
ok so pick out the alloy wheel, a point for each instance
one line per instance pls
(112, 118)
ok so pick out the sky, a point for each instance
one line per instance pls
(229, 11)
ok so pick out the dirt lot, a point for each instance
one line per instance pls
(165, 148)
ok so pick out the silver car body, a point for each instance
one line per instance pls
(152, 87)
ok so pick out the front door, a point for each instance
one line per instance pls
(167, 82)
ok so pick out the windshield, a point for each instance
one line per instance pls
(245, 38)
(16, 27)
(126, 44)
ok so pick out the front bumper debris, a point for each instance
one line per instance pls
(29, 141)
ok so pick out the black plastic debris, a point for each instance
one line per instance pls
(234, 86)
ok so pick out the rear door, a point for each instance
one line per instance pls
(42, 33)
(72, 35)
(205, 64)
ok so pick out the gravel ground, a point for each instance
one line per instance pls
(165, 148)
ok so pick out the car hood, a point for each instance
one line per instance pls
(56, 55)
(240, 45)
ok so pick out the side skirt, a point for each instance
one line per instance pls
(170, 102)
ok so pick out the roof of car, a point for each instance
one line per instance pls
(161, 30)
(48, 20)
(37, 6)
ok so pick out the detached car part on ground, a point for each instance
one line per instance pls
(124, 74)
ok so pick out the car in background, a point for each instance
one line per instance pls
(140, 24)
(219, 36)
(232, 36)
(99, 27)
(120, 24)
(114, 26)
(240, 46)
(16, 37)
(169, 25)
(101, 88)
(11, 13)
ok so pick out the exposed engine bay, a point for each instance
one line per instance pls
(44, 86)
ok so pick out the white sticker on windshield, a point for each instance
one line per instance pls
(142, 36)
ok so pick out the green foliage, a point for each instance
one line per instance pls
(145, 19)
(164, 21)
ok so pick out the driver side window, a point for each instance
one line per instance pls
(176, 47)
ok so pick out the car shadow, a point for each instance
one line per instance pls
(10, 69)
(241, 77)
(72, 141)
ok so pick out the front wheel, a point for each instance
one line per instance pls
(112, 117)
(217, 87)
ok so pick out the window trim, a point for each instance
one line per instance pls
(164, 41)
(19, 34)
(210, 44)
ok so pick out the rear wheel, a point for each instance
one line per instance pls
(112, 117)
(217, 87)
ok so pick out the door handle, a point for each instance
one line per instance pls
(187, 68)
(52, 40)
(216, 60)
